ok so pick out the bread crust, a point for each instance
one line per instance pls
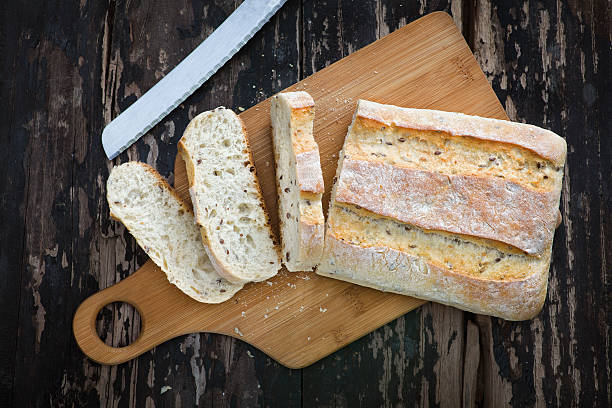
(298, 99)
(485, 207)
(543, 142)
(308, 162)
(221, 267)
(312, 238)
(309, 177)
(487, 211)
(516, 299)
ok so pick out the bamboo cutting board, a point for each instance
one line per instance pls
(298, 318)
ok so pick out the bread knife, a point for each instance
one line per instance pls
(188, 75)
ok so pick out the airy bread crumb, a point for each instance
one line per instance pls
(164, 227)
(226, 197)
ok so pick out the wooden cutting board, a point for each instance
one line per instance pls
(298, 318)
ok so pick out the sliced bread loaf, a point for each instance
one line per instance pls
(226, 198)
(446, 207)
(299, 180)
(164, 227)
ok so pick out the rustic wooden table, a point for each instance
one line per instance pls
(68, 68)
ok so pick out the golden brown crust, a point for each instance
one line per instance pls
(485, 207)
(311, 237)
(308, 169)
(543, 142)
(298, 100)
(413, 217)
(308, 164)
(189, 165)
(515, 299)
(220, 267)
(298, 109)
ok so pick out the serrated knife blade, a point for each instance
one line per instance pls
(188, 75)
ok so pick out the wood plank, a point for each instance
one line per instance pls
(13, 179)
(470, 366)
(53, 75)
(550, 64)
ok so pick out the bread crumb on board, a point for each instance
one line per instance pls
(238, 332)
(322, 310)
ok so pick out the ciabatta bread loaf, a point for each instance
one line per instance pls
(226, 197)
(446, 207)
(299, 180)
(164, 227)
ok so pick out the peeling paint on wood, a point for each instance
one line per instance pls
(542, 80)
(67, 71)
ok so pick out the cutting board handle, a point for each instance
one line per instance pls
(132, 290)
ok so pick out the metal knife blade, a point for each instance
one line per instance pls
(188, 75)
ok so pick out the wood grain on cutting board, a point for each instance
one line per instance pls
(298, 318)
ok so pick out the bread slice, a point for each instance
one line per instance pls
(446, 207)
(164, 227)
(226, 198)
(299, 180)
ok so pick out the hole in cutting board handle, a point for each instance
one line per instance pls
(118, 324)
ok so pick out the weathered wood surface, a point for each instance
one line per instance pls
(68, 68)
